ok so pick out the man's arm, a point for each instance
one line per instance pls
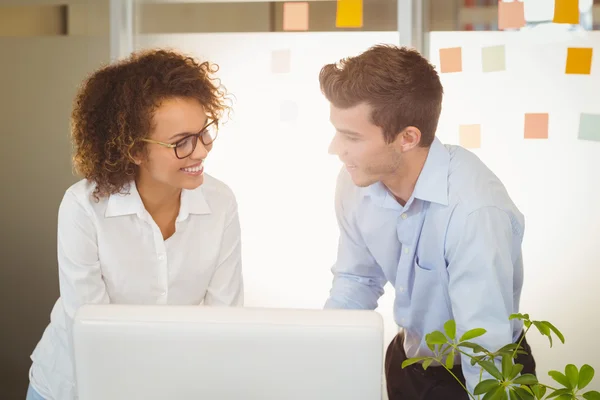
(481, 268)
(358, 279)
(226, 287)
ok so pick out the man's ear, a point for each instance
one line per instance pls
(408, 139)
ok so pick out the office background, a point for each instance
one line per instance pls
(508, 98)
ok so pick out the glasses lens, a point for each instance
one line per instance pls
(209, 135)
(186, 146)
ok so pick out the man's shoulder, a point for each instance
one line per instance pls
(473, 186)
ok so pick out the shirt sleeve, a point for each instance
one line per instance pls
(481, 267)
(226, 287)
(79, 274)
(358, 280)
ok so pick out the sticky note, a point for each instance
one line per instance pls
(470, 136)
(451, 59)
(536, 126)
(295, 16)
(280, 61)
(566, 12)
(579, 60)
(349, 14)
(493, 58)
(589, 127)
(511, 15)
(288, 111)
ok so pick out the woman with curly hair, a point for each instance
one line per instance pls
(145, 225)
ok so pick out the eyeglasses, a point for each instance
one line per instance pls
(185, 147)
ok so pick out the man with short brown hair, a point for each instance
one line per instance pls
(430, 219)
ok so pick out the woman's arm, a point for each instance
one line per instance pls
(226, 287)
(79, 274)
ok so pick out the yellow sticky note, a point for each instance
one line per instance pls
(470, 136)
(451, 59)
(295, 16)
(566, 12)
(536, 126)
(511, 15)
(579, 60)
(349, 14)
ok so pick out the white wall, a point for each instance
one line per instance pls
(555, 182)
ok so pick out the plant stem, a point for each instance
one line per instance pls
(458, 380)
(520, 341)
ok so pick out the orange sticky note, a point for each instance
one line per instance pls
(566, 12)
(295, 16)
(451, 59)
(579, 60)
(511, 15)
(536, 126)
(349, 14)
(470, 136)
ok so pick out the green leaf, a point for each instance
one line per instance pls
(539, 391)
(411, 361)
(527, 323)
(472, 334)
(559, 392)
(526, 379)
(491, 369)
(516, 370)
(516, 316)
(558, 334)
(450, 360)
(513, 395)
(592, 395)
(544, 330)
(450, 328)
(485, 386)
(560, 378)
(427, 363)
(431, 346)
(509, 347)
(436, 337)
(524, 394)
(586, 374)
(475, 360)
(572, 374)
(496, 394)
(507, 365)
(476, 348)
(566, 397)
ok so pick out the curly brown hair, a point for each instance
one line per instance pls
(401, 86)
(113, 111)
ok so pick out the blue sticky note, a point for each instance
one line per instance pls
(589, 127)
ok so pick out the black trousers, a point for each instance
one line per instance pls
(435, 383)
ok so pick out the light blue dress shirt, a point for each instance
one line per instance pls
(452, 252)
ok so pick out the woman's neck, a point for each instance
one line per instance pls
(158, 198)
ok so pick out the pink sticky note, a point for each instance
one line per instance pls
(511, 15)
(451, 59)
(470, 136)
(295, 16)
(536, 126)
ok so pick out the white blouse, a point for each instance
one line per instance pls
(112, 251)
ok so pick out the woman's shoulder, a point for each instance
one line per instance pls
(80, 195)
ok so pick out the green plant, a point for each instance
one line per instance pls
(507, 381)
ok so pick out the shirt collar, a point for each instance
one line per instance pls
(432, 184)
(130, 202)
